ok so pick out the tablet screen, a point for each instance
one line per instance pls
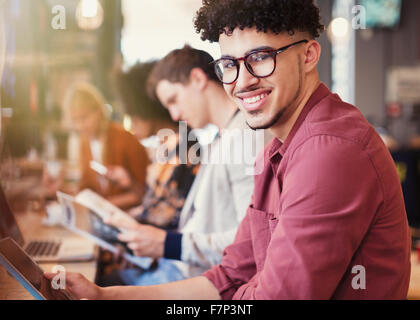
(27, 272)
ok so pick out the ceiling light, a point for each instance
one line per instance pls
(89, 14)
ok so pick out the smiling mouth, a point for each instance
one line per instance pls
(255, 102)
(256, 98)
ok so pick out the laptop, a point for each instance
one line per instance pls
(46, 250)
(85, 216)
(24, 269)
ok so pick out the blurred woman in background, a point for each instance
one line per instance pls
(106, 143)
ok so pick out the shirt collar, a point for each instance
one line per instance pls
(277, 146)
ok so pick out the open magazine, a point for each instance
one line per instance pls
(102, 207)
(85, 214)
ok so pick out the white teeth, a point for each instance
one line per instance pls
(256, 98)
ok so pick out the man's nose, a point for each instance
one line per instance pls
(245, 78)
(175, 114)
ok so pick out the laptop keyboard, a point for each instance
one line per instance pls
(43, 248)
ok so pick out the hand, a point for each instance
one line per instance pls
(120, 176)
(79, 287)
(136, 211)
(145, 241)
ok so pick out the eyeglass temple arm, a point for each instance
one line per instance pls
(291, 45)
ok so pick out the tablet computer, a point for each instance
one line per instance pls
(28, 273)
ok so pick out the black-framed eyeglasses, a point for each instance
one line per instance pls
(259, 63)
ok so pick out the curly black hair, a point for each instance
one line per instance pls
(223, 16)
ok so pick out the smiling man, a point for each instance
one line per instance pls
(327, 217)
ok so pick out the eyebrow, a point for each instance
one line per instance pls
(249, 52)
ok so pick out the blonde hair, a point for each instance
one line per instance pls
(86, 96)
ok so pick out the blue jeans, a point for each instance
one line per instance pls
(166, 272)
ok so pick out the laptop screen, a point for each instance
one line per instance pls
(8, 224)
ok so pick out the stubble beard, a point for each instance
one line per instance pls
(282, 111)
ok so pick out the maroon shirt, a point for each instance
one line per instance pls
(328, 201)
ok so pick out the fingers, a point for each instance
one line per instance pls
(78, 286)
(113, 173)
(136, 246)
(113, 221)
(136, 211)
(129, 237)
(71, 278)
(50, 275)
(123, 222)
(139, 250)
(119, 175)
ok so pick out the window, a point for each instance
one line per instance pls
(154, 28)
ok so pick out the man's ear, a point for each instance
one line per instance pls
(198, 78)
(312, 55)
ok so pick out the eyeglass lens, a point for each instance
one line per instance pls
(259, 64)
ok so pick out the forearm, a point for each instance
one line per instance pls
(199, 288)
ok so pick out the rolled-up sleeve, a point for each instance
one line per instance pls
(238, 265)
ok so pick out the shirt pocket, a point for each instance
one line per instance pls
(262, 225)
